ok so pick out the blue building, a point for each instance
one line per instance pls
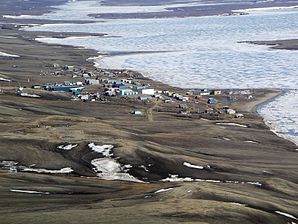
(119, 86)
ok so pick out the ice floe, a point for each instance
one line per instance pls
(67, 147)
(286, 215)
(105, 150)
(28, 191)
(192, 166)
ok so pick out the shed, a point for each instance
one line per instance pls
(137, 112)
(183, 106)
(144, 98)
(215, 92)
(212, 101)
(92, 82)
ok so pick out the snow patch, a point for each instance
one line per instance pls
(3, 54)
(233, 124)
(236, 203)
(286, 215)
(193, 166)
(225, 138)
(67, 147)
(11, 166)
(4, 80)
(28, 191)
(105, 150)
(249, 141)
(144, 167)
(29, 95)
(109, 169)
(176, 178)
(163, 190)
(61, 171)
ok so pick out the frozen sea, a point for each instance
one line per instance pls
(197, 51)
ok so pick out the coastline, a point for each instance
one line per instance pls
(251, 107)
(192, 168)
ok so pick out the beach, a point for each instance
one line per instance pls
(67, 161)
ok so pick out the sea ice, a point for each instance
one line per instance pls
(207, 55)
(281, 115)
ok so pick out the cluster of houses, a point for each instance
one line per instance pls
(233, 112)
(95, 88)
(126, 87)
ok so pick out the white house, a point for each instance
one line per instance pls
(148, 91)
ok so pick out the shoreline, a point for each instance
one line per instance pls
(192, 168)
(250, 107)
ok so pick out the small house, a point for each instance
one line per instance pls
(238, 115)
(85, 97)
(36, 87)
(92, 82)
(212, 101)
(144, 98)
(55, 65)
(204, 92)
(215, 92)
(230, 111)
(183, 106)
(110, 93)
(209, 111)
(137, 112)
